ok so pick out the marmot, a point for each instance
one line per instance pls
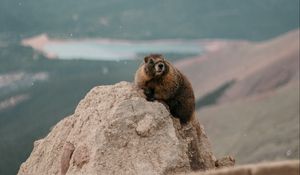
(161, 81)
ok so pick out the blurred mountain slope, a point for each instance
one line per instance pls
(257, 129)
(253, 91)
(254, 67)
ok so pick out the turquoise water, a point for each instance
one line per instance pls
(92, 50)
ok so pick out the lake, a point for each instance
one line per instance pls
(119, 50)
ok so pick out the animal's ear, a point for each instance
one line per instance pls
(146, 59)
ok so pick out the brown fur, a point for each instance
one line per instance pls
(170, 86)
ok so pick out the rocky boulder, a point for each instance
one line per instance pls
(114, 130)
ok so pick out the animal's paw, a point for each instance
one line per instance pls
(150, 98)
(149, 94)
(165, 104)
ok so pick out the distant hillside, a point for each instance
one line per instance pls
(254, 66)
(140, 19)
(257, 129)
(252, 90)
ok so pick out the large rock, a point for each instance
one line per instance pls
(114, 130)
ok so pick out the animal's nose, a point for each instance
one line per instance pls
(160, 66)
